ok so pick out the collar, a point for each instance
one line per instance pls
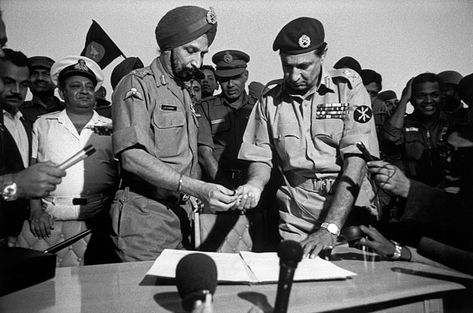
(323, 85)
(244, 101)
(96, 119)
(161, 76)
(10, 116)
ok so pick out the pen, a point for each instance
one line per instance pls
(79, 156)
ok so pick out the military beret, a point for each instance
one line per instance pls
(386, 95)
(301, 35)
(185, 24)
(450, 77)
(230, 63)
(369, 76)
(40, 61)
(348, 62)
(76, 66)
(123, 68)
(465, 89)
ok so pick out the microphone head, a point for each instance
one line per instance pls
(196, 276)
(290, 253)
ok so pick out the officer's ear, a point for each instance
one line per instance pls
(245, 75)
(61, 93)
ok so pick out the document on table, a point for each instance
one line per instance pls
(250, 267)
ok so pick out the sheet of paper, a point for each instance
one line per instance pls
(230, 266)
(265, 266)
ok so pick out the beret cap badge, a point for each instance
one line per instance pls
(227, 58)
(81, 66)
(211, 16)
(304, 41)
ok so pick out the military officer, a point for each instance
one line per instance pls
(309, 123)
(223, 118)
(155, 138)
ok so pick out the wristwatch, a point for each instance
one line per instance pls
(9, 188)
(397, 251)
(332, 228)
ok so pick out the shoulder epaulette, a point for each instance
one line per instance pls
(349, 75)
(142, 72)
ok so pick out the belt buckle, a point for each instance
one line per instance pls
(79, 201)
(322, 188)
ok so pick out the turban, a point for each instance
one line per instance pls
(185, 24)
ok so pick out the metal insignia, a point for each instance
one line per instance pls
(81, 66)
(211, 16)
(304, 41)
(227, 58)
(362, 114)
(134, 93)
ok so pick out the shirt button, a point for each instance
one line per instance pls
(79, 260)
(62, 236)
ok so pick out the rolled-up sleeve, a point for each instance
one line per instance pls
(131, 116)
(256, 145)
(356, 129)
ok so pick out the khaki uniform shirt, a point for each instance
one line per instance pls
(221, 127)
(150, 111)
(312, 134)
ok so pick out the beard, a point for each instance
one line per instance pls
(185, 73)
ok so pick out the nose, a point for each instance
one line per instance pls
(197, 60)
(293, 75)
(16, 88)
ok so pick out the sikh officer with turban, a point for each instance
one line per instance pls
(309, 124)
(155, 139)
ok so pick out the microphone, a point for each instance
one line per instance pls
(290, 253)
(196, 277)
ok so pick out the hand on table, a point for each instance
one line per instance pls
(316, 242)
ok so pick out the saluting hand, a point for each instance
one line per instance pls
(390, 178)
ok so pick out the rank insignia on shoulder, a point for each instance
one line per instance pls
(331, 111)
(363, 114)
(133, 92)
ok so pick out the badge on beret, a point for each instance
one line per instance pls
(304, 41)
(211, 16)
(81, 66)
(227, 58)
(362, 114)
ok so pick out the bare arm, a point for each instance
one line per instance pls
(396, 120)
(208, 161)
(249, 194)
(344, 197)
(151, 169)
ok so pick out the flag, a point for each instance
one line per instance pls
(99, 47)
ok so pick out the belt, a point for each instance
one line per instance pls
(322, 186)
(177, 199)
(59, 200)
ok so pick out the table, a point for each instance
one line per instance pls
(124, 287)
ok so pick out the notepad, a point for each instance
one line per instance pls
(250, 267)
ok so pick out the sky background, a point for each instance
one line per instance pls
(397, 38)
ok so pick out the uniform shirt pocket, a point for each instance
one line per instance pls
(219, 125)
(168, 132)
